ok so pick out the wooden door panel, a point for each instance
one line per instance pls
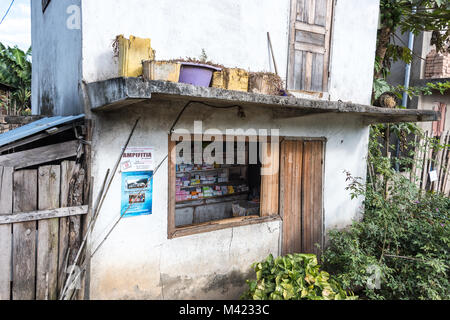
(301, 176)
(312, 196)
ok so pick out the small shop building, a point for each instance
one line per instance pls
(202, 182)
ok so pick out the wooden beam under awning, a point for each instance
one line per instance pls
(33, 157)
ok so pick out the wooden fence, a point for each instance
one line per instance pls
(431, 158)
(41, 226)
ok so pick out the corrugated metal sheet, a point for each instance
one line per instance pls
(35, 127)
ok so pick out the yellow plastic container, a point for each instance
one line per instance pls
(131, 54)
(161, 70)
(231, 79)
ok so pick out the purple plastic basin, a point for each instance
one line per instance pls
(197, 74)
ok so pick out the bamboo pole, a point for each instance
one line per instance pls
(442, 163)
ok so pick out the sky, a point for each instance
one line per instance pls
(16, 28)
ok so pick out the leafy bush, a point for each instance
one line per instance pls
(405, 236)
(293, 277)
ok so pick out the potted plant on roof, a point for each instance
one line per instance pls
(198, 72)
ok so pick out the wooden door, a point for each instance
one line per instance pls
(301, 181)
(309, 45)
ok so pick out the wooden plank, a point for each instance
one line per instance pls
(306, 201)
(446, 171)
(312, 210)
(292, 52)
(270, 182)
(326, 61)
(320, 18)
(43, 215)
(310, 28)
(442, 161)
(414, 162)
(41, 155)
(315, 39)
(72, 195)
(309, 48)
(290, 179)
(424, 173)
(419, 162)
(49, 179)
(299, 67)
(24, 237)
(301, 10)
(318, 153)
(220, 225)
(311, 11)
(64, 223)
(317, 73)
(6, 187)
(437, 165)
(282, 190)
(286, 186)
(6, 208)
(308, 71)
(297, 196)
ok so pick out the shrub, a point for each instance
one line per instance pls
(405, 237)
(293, 277)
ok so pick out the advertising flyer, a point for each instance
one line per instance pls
(137, 159)
(137, 181)
(137, 193)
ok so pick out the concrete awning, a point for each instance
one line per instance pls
(120, 92)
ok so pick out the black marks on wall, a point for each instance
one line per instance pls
(47, 104)
(224, 283)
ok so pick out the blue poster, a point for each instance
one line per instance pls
(137, 193)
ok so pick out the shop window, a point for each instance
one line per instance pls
(219, 184)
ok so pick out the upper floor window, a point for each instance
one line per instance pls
(45, 4)
(309, 46)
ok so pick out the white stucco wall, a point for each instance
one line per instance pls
(56, 60)
(233, 32)
(353, 47)
(139, 261)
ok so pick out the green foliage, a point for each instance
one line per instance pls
(380, 86)
(293, 277)
(15, 70)
(405, 233)
(414, 16)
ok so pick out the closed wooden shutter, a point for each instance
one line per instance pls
(309, 45)
(301, 183)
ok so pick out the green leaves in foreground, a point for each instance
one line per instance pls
(293, 277)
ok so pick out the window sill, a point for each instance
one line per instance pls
(220, 225)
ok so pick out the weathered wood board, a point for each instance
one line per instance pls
(24, 234)
(6, 208)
